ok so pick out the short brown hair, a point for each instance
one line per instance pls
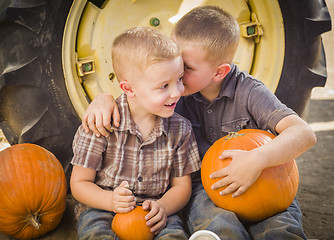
(213, 29)
(139, 48)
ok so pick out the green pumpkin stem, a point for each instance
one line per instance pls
(33, 219)
(233, 135)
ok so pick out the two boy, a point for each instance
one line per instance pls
(220, 99)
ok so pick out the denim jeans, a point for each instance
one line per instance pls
(95, 224)
(202, 214)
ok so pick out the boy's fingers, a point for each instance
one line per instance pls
(124, 184)
(229, 189)
(226, 154)
(153, 211)
(102, 130)
(240, 191)
(116, 117)
(157, 221)
(220, 173)
(124, 210)
(127, 203)
(99, 125)
(130, 199)
(146, 205)
(84, 123)
(92, 126)
(221, 183)
(106, 122)
(123, 189)
(158, 227)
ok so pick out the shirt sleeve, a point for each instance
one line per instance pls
(266, 109)
(186, 159)
(88, 149)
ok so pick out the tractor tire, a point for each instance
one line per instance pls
(304, 61)
(36, 107)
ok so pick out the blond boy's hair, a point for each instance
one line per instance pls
(213, 29)
(139, 47)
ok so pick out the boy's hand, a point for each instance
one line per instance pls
(242, 172)
(156, 218)
(123, 201)
(98, 115)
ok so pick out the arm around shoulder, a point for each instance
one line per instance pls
(99, 113)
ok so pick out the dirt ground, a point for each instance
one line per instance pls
(316, 166)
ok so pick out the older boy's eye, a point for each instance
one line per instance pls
(187, 67)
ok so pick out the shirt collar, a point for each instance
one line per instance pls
(127, 124)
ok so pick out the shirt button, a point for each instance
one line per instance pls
(210, 129)
(209, 111)
(140, 178)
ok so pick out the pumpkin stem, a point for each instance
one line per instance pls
(233, 135)
(33, 219)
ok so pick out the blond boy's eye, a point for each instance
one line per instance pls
(164, 86)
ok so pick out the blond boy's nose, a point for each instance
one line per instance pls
(175, 92)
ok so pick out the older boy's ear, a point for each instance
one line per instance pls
(126, 87)
(222, 71)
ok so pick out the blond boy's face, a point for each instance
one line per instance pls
(198, 71)
(159, 87)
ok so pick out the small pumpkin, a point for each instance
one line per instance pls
(132, 225)
(33, 191)
(272, 192)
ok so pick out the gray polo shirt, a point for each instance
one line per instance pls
(243, 102)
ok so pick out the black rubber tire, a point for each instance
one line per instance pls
(304, 62)
(36, 108)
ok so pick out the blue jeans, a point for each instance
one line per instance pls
(201, 213)
(96, 224)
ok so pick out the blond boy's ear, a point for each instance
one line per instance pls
(222, 71)
(126, 87)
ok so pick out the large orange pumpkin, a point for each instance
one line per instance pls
(132, 225)
(272, 192)
(32, 189)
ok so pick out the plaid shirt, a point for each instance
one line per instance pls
(169, 151)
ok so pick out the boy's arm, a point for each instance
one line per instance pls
(171, 202)
(295, 137)
(98, 115)
(177, 196)
(87, 192)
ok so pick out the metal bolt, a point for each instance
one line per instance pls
(111, 76)
(154, 22)
(250, 30)
(87, 67)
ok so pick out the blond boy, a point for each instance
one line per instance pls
(220, 99)
(148, 159)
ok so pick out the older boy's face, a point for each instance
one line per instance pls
(198, 71)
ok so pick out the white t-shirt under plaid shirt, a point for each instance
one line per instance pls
(169, 151)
